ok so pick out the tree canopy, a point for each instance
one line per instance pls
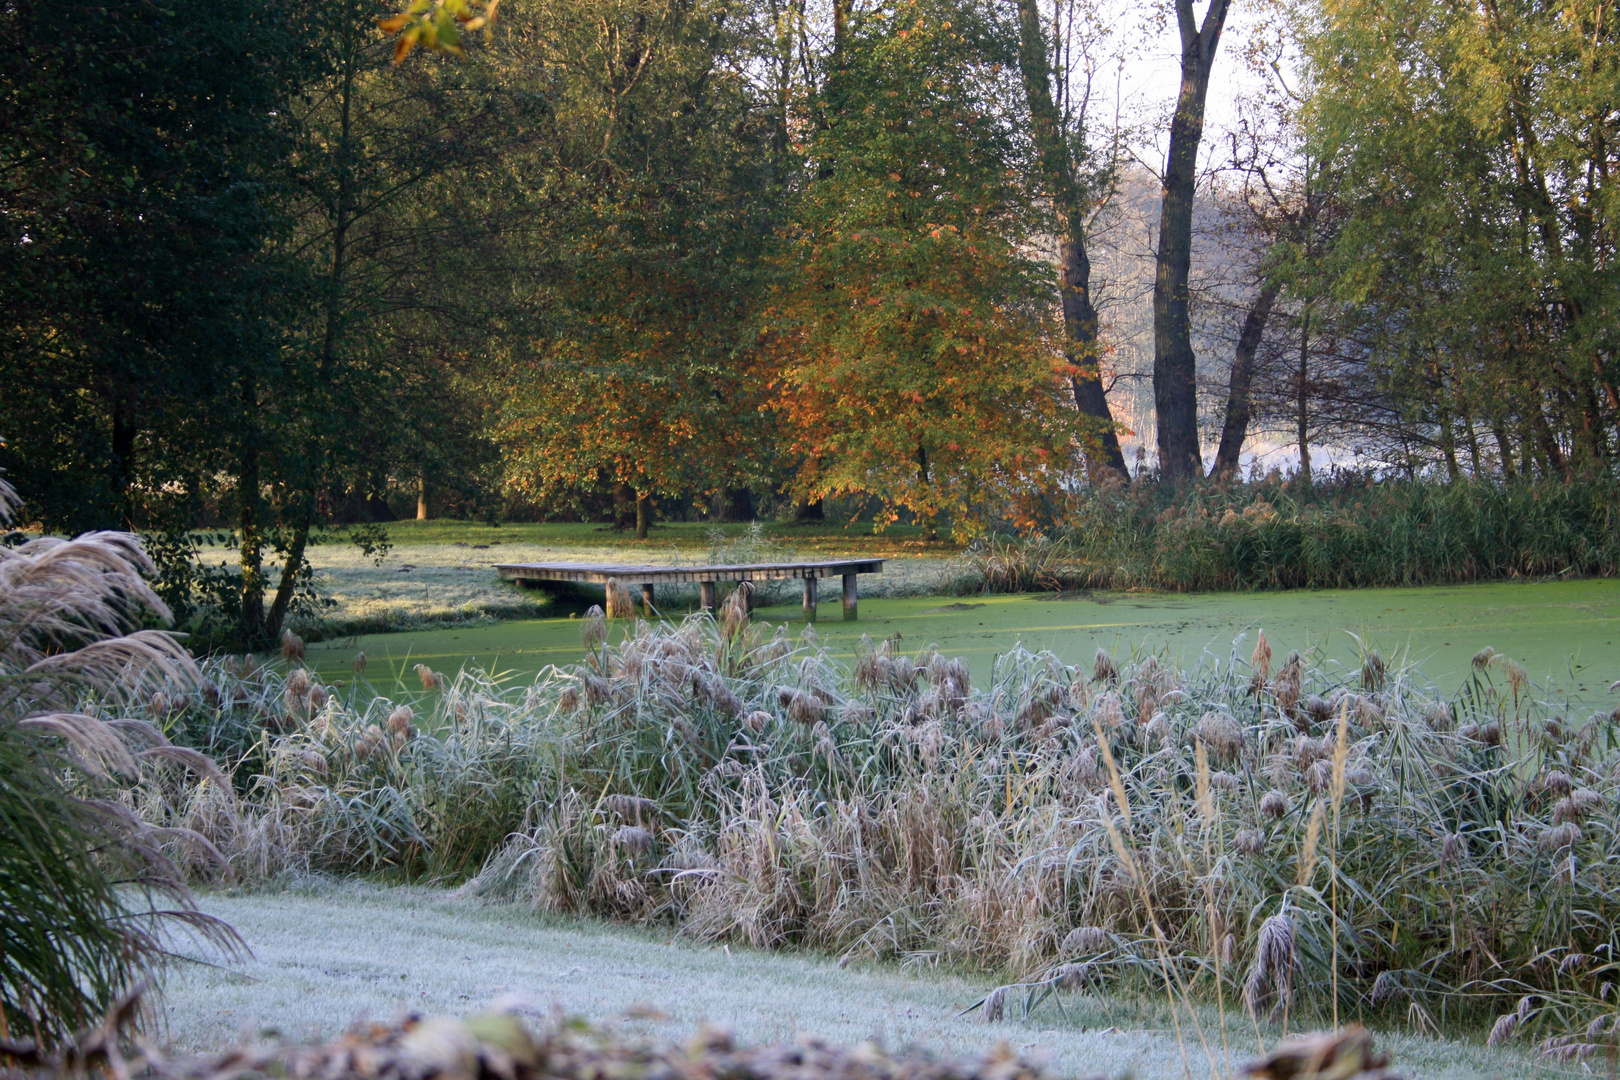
(277, 268)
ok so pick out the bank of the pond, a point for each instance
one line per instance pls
(1566, 634)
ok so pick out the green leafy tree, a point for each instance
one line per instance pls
(1473, 149)
(142, 153)
(640, 375)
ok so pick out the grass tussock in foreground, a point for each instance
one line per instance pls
(1349, 531)
(1277, 836)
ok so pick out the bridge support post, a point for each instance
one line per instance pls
(849, 598)
(810, 597)
(647, 598)
(706, 595)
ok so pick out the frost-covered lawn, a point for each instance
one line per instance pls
(324, 956)
(431, 577)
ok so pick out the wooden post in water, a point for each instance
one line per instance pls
(647, 597)
(849, 598)
(706, 595)
(810, 597)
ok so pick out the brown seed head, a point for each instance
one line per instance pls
(1222, 734)
(399, 721)
(633, 838)
(593, 628)
(1261, 659)
(292, 646)
(1084, 941)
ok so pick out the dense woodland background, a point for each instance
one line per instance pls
(638, 258)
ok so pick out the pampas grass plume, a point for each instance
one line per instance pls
(292, 646)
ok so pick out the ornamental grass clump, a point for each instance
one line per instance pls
(739, 784)
(89, 893)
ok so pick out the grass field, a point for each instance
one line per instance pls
(443, 571)
(1565, 633)
(329, 954)
(829, 538)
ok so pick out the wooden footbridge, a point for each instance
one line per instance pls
(705, 577)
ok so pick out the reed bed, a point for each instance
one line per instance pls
(1281, 835)
(1345, 532)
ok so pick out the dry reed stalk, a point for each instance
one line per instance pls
(734, 611)
(1341, 754)
(593, 629)
(1124, 854)
(1206, 813)
(292, 647)
(1307, 853)
(1271, 977)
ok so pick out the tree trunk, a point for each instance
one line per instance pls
(288, 585)
(1503, 447)
(1175, 368)
(1239, 403)
(1472, 438)
(1074, 266)
(1556, 461)
(123, 463)
(642, 514)
(1448, 446)
(930, 520)
(421, 498)
(624, 507)
(808, 510)
(738, 505)
(1302, 417)
(250, 607)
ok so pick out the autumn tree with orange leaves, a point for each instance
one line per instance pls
(642, 377)
(913, 347)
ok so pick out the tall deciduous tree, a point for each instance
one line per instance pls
(1175, 368)
(664, 169)
(143, 155)
(1473, 147)
(913, 356)
(1071, 181)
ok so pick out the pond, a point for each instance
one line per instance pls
(1564, 632)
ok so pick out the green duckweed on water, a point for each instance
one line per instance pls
(1565, 633)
